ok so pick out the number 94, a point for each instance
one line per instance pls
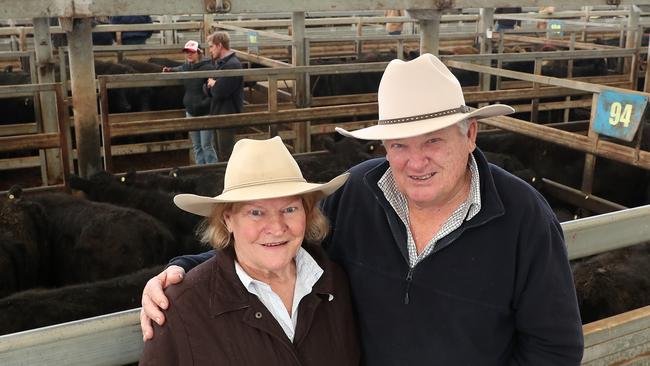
(620, 114)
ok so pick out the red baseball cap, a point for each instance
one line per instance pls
(191, 46)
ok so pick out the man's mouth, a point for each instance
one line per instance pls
(421, 177)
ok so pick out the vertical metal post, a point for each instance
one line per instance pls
(429, 21)
(49, 116)
(84, 98)
(486, 20)
(569, 75)
(359, 43)
(273, 102)
(302, 143)
(106, 126)
(534, 103)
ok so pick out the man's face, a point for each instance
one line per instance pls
(215, 50)
(431, 169)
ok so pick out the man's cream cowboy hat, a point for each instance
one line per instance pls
(418, 97)
(257, 170)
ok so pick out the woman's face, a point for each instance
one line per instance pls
(267, 233)
(192, 57)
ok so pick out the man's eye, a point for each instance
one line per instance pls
(256, 212)
(291, 209)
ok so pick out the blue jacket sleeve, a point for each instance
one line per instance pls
(225, 86)
(187, 262)
(547, 319)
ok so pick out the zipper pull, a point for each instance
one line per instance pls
(409, 277)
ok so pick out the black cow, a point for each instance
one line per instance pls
(613, 282)
(24, 245)
(42, 307)
(161, 97)
(92, 241)
(16, 109)
(103, 187)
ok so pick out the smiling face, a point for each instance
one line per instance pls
(267, 234)
(431, 169)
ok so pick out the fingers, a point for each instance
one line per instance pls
(145, 326)
(173, 275)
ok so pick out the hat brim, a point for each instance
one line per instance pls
(203, 206)
(417, 128)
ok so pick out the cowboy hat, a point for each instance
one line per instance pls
(417, 97)
(257, 170)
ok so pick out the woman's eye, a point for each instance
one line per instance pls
(291, 209)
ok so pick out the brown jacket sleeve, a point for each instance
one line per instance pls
(169, 345)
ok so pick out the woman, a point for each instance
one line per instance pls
(270, 296)
(196, 102)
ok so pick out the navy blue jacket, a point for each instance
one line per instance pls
(133, 19)
(496, 291)
(195, 101)
(228, 93)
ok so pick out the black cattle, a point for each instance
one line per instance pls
(161, 97)
(24, 246)
(349, 83)
(514, 166)
(16, 109)
(613, 282)
(92, 241)
(162, 61)
(42, 307)
(123, 100)
(103, 187)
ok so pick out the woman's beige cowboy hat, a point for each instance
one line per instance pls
(257, 170)
(417, 97)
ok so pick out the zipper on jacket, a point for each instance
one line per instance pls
(409, 277)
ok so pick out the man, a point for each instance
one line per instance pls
(227, 93)
(451, 260)
(132, 37)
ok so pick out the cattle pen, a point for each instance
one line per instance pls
(74, 131)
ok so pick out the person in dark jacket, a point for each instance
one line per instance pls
(196, 102)
(227, 93)
(132, 37)
(271, 296)
(451, 260)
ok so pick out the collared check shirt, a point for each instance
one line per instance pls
(464, 212)
(307, 274)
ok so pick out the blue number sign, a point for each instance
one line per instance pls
(619, 114)
(556, 27)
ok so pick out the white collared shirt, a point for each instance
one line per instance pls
(307, 274)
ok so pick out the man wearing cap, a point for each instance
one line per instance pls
(451, 260)
(196, 102)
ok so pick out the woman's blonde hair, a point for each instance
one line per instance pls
(213, 230)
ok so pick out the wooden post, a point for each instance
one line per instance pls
(51, 158)
(273, 102)
(534, 103)
(632, 25)
(590, 159)
(302, 142)
(84, 100)
(569, 75)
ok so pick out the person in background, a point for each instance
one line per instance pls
(506, 24)
(132, 37)
(196, 102)
(271, 296)
(451, 260)
(394, 29)
(226, 93)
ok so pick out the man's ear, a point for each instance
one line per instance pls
(472, 132)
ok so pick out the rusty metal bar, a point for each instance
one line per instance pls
(579, 198)
(106, 126)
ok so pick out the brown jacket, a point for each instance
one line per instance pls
(213, 320)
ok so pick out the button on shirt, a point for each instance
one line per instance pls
(464, 212)
(307, 274)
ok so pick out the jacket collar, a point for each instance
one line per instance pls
(227, 293)
(222, 61)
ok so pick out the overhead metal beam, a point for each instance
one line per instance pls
(87, 8)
